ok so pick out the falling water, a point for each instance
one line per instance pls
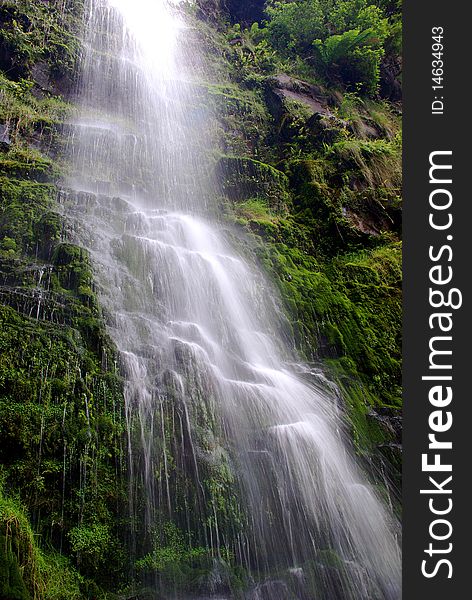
(227, 438)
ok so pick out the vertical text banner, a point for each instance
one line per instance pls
(437, 532)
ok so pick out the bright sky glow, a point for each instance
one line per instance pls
(155, 27)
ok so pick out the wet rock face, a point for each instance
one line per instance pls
(390, 421)
(246, 12)
(243, 178)
(389, 78)
(295, 103)
(270, 590)
(5, 141)
(217, 584)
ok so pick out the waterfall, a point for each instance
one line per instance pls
(232, 442)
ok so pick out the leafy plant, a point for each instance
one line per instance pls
(346, 41)
(169, 551)
(353, 56)
(293, 26)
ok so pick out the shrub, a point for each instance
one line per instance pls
(354, 57)
(90, 543)
(294, 25)
(344, 41)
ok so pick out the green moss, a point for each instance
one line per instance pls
(60, 400)
(170, 549)
(244, 178)
(28, 115)
(36, 31)
(239, 110)
(255, 211)
(26, 571)
(12, 585)
(58, 412)
(22, 205)
(29, 164)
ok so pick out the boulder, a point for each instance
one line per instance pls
(300, 108)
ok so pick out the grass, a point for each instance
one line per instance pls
(377, 162)
(365, 114)
(255, 209)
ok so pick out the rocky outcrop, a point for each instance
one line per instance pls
(313, 97)
(295, 104)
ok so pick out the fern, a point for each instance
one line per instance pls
(337, 47)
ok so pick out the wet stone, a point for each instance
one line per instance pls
(271, 590)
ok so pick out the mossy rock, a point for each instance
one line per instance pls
(23, 43)
(244, 178)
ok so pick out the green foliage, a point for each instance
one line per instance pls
(26, 571)
(369, 118)
(345, 41)
(32, 32)
(27, 116)
(353, 56)
(172, 551)
(251, 51)
(90, 543)
(337, 47)
(293, 26)
(12, 585)
(370, 162)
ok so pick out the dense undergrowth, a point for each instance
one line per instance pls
(308, 159)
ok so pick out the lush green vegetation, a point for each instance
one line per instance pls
(27, 572)
(345, 43)
(60, 399)
(39, 33)
(320, 81)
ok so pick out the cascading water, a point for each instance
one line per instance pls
(228, 442)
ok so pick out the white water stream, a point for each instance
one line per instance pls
(213, 392)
